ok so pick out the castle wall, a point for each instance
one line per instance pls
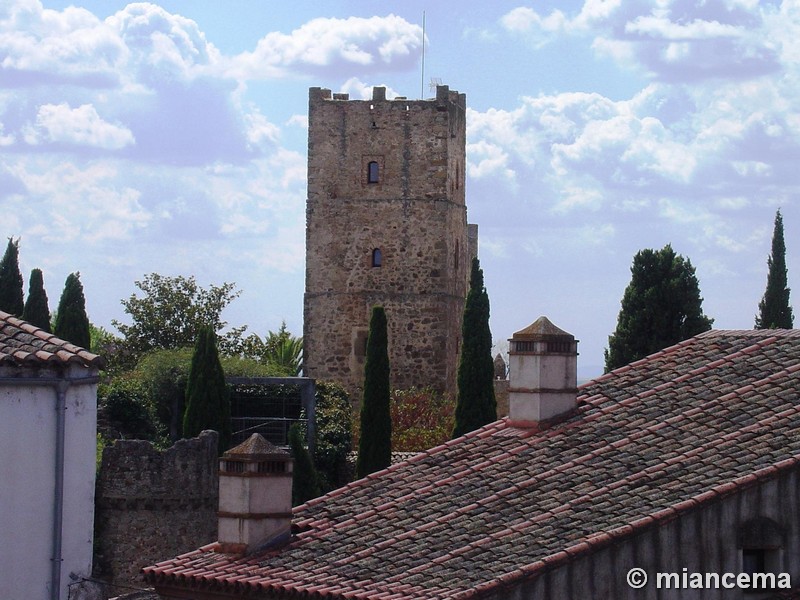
(153, 505)
(415, 215)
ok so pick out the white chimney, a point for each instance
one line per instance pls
(543, 365)
(255, 495)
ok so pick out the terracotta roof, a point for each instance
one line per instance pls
(23, 344)
(257, 447)
(664, 435)
(541, 329)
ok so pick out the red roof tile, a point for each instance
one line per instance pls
(667, 434)
(23, 344)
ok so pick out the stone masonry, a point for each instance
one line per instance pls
(386, 225)
(152, 505)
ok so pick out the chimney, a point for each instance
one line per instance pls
(543, 364)
(255, 495)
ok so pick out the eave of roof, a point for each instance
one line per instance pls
(649, 442)
(22, 344)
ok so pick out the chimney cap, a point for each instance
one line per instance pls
(256, 447)
(542, 330)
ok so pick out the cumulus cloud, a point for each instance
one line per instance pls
(671, 41)
(374, 44)
(42, 46)
(81, 126)
(363, 91)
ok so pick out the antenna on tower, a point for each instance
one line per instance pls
(435, 83)
(422, 81)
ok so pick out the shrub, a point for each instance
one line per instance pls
(125, 404)
(334, 415)
(421, 419)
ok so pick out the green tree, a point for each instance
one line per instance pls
(207, 398)
(11, 298)
(36, 311)
(660, 307)
(476, 405)
(72, 324)
(375, 443)
(279, 349)
(774, 311)
(171, 313)
(305, 479)
(333, 414)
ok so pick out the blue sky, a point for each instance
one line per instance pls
(171, 138)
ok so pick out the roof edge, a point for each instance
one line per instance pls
(601, 539)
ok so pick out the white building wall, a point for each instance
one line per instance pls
(27, 482)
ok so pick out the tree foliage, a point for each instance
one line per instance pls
(421, 419)
(774, 311)
(476, 404)
(172, 311)
(72, 324)
(305, 479)
(280, 349)
(375, 443)
(207, 398)
(660, 307)
(36, 311)
(333, 415)
(11, 298)
(125, 403)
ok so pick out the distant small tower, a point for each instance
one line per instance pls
(255, 495)
(499, 367)
(386, 224)
(543, 363)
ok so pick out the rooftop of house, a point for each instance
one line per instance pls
(24, 344)
(662, 436)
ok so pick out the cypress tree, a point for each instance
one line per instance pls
(305, 479)
(774, 311)
(36, 311)
(375, 443)
(11, 298)
(476, 405)
(72, 324)
(207, 398)
(660, 307)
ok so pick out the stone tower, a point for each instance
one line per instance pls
(386, 224)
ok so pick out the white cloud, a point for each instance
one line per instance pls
(374, 44)
(664, 28)
(486, 159)
(359, 90)
(673, 41)
(72, 45)
(82, 126)
(74, 203)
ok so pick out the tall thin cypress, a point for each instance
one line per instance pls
(375, 443)
(36, 311)
(11, 297)
(476, 405)
(774, 311)
(72, 324)
(207, 398)
(305, 479)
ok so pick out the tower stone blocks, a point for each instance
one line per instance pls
(386, 224)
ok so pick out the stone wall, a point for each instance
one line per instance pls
(153, 505)
(415, 214)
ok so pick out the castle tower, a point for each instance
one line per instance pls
(386, 224)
